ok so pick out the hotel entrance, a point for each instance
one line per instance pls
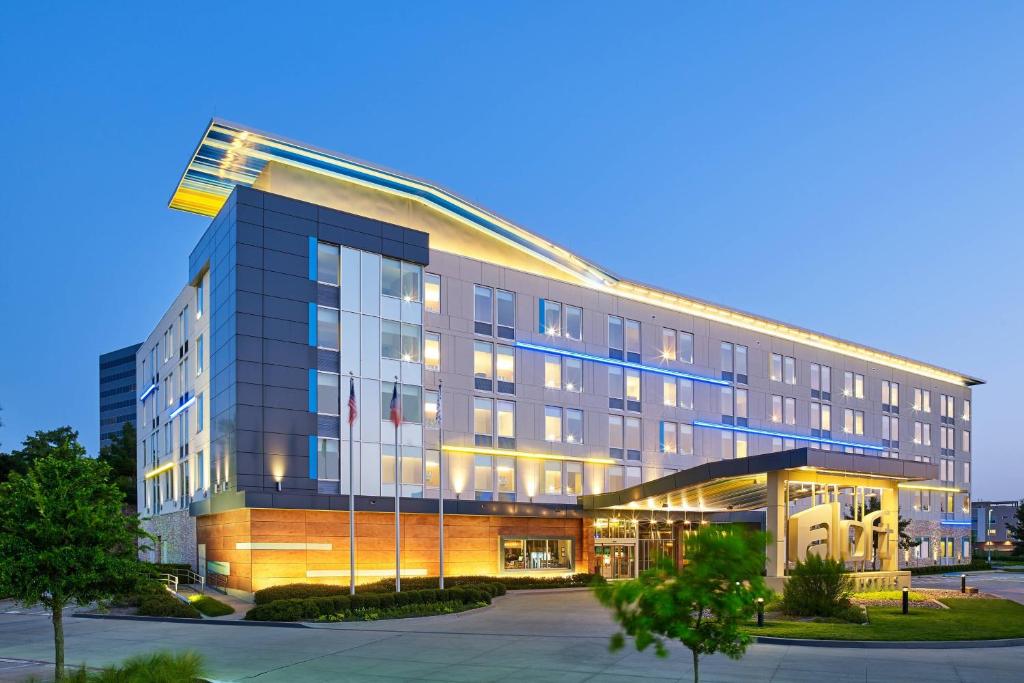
(615, 560)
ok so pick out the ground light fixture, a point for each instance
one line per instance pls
(963, 583)
(760, 612)
(906, 601)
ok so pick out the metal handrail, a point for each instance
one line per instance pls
(168, 580)
(196, 579)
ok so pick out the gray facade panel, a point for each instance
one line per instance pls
(288, 286)
(289, 264)
(289, 399)
(285, 330)
(287, 242)
(288, 223)
(282, 376)
(291, 207)
(286, 309)
(285, 353)
(283, 421)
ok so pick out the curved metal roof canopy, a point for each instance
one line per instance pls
(742, 484)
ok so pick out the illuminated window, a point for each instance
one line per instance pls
(483, 364)
(684, 351)
(432, 351)
(890, 431)
(789, 410)
(615, 437)
(552, 372)
(573, 374)
(967, 410)
(669, 442)
(775, 370)
(483, 477)
(632, 437)
(853, 421)
(536, 554)
(505, 364)
(505, 474)
(552, 313)
(483, 421)
(573, 478)
(552, 423)
(574, 323)
(890, 397)
(669, 391)
(632, 389)
(573, 425)
(553, 478)
(789, 370)
(506, 423)
(965, 441)
(432, 468)
(853, 384)
(821, 381)
(432, 293)
(430, 409)
(668, 345)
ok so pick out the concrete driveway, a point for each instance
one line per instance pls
(1009, 585)
(535, 637)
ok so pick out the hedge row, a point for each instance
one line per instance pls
(160, 603)
(315, 590)
(950, 568)
(309, 609)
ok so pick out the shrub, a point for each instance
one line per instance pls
(308, 609)
(817, 587)
(211, 607)
(161, 667)
(160, 603)
(424, 609)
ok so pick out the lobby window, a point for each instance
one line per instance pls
(615, 437)
(432, 468)
(506, 314)
(200, 356)
(536, 554)
(551, 318)
(668, 345)
(430, 409)
(327, 263)
(821, 382)
(483, 421)
(965, 441)
(922, 400)
(853, 421)
(890, 397)
(573, 374)
(505, 365)
(890, 431)
(552, 372)
(327, 330)
(552, 423)
(632, 390)
(616, 338)
(633, 440)
(506, 424)
(432, 292)
(327, 393)
(573, 425)
(483, 364)
(616, 388)
(853, 384)
(432, 351)
(684, 347)
(483, 310)
(922, 434)
(633, 341)
(573, 323)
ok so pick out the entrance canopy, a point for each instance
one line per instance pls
(742, 484)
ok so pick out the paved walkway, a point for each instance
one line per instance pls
(1009, 585)
(535, 637)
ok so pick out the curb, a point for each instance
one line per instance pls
(893, 644)
(180, 620)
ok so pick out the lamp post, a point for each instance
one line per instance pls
(963, 583)
(906, 601)
(760, 612)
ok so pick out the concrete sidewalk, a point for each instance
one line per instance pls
(536, 637)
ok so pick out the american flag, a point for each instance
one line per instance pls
(352, 411)
(396, 408)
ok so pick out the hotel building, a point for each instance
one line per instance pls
(587, 420)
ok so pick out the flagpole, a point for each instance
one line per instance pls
(440, 483)
(398, 530)
(351, 491)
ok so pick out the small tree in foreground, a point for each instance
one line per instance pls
(1016, 529)
(63, 537)
(702, 605)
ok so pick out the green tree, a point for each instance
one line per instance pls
(1017, 530)
(120, 456)
(702, 604)
(33, 447)
(63, 536)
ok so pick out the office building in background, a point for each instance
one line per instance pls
(118, 397)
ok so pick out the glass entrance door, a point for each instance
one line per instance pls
(616, 561)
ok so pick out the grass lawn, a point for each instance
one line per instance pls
(210, 607)
(966, 619)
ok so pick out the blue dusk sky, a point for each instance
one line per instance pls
(854, 168)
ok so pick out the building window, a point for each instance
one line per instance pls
(328, 464)
(947, 409)
(483, 477)
(551, 312)
(633, 438)
(505, 419)
(573, 374)
(552, 423)
(483, 364)
(327, 330)
(488, 471)
(821, 382)
(411, 342)
(505, 365)
(890, 431)
(947, 440)
(483, 310)
(633, 341)
(616, 477)
(506, 314)
(432, 351)
(853, 384)
(821, 419)
(327, 263)
(668, 345)
(967, 473)
(200, 356)
(615, 437)
(967, 410)
(616, 338)
(200, 413)
(632, 390)
(922, 434)
(573, 425)
(890, 397)
(432, 468)
(552, 478)
(430, 409)
(669, 442)
(684, 347)
(552, 372)
(775, 369)
(573, 323)
(483, 421)
(616, 390)
(327, 393)
(965, 441)
(400, 341)
(200, 298)
(400, 279)
(789, 370)
(432, 292)
(410, 467)
(853, 421)
(669, 396)
(536, 554)
(922, 400)
(573, 478)
(734, 362)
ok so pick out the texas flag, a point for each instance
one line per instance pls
(396, 408)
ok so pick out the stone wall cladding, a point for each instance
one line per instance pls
(177, 536)
(933, 529)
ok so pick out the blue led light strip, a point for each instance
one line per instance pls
(784, 435)
(952, 523)
(147, 392)
(182, 407)
(621, 363)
